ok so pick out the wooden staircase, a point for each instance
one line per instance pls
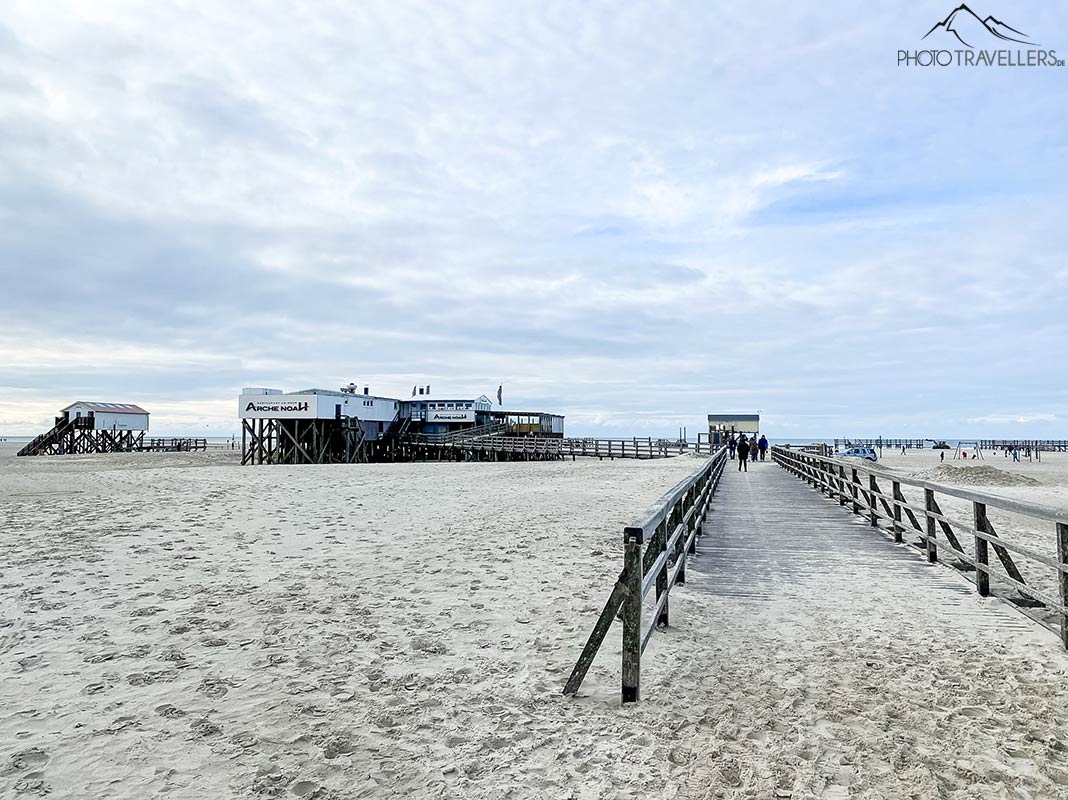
(54, 441)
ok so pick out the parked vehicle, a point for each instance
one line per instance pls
(858, 452)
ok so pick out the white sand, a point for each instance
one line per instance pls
(356, 631)
(177, 626)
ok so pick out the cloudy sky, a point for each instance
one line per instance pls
(632, 213)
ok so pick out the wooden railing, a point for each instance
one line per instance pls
(622, 448)
(492, 437)
(461, 435)
(543, 445)
(856, 483)
(1039, 445)
(655, 549)
(880, 442)
(174, 445)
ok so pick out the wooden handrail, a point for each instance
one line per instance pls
(597, 448)
(655, 550)
(1047, 513)
(841, 480)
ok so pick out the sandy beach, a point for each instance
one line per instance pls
(1042, 483)
(174, 625)
(177, 625)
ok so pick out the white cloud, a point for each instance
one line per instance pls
(1012, 419)
(626, 214)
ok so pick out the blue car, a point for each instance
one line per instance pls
(858, 452)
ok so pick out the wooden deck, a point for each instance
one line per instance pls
(770, 538)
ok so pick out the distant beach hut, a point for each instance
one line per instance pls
(722, 426)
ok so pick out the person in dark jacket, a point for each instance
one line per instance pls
(732, 443)
(763, 445)
(743, 454)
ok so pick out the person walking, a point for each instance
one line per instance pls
(763, 445)
(743, 454)
(753, 449)
(732, 443)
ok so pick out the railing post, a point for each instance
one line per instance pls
(929, 505)
(698, 516)
(854, 489)
(680, 545)
(663, 534)
(631, 612)
(873, 501)
(898, 530)
(1062, 582)
(982, 551)
(682, 548)
(841, 485)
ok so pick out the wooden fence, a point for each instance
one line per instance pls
(655, 549)
(1039, 445)
(175, 445)
(550, 447)
(856, 483)
(880, 443)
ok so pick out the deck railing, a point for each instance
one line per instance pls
(655, 549)
(557, 447)
(459, 435)
(856, 484)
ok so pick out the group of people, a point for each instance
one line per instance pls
(747, 449)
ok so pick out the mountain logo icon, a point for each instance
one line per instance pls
(967, 28)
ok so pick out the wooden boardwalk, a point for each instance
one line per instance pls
(771, 538)
(819, 659)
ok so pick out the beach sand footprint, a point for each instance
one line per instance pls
(204, 728)
(305, 789)
(32, 759)
(245, 739)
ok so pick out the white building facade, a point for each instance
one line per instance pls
(375, 414)
(109, 416)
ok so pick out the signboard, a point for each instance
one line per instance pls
(451, 415)
(277, 406)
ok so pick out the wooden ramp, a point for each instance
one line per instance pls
(770, 538)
